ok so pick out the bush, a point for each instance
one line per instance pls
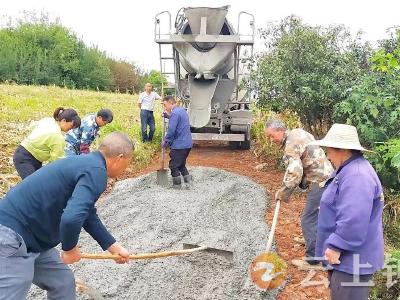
(374, 108)
(308, 70)
(125, 76)
(381, 290)
(386, 161)
(391, 218)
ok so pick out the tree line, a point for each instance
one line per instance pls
(43, 52)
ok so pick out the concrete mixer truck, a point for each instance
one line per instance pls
(209, 63)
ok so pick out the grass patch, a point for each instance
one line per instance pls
(22, 104)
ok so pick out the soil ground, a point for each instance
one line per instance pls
(244, 163)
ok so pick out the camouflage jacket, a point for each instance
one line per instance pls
(85, 134)
(305, 165)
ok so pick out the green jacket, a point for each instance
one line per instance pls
(46, 141)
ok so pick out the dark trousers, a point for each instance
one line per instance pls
(25, 162)
(147, 119)
(309, 219)
(354, 292)
(177, 164)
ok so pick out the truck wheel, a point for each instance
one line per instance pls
(245, 145)
(234, 145)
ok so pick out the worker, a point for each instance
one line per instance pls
(78, 140)
(308, 168)
(179, 139)
(350, 233)
(45, 142)
(50, 207)
(146, 103)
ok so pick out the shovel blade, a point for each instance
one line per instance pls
(87, 290)
(162, 177)
(225, 253)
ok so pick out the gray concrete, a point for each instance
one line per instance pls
(222, 210)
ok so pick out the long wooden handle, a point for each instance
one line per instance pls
(163, 130)
(144, 255)
(273, 226)
(162, 148)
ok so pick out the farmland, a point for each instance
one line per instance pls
(20, 105)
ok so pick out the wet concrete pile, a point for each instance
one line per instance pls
(222, 210)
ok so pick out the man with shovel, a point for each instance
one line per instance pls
(308, 168)
(51, 207)
(179, 139)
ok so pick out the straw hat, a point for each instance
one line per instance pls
(341, 136)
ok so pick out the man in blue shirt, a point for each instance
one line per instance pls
(51, 207)
(179, 139)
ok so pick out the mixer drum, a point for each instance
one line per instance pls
(206, 62)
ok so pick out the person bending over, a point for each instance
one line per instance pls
(51, 207)
(78, 140)
(46, 141)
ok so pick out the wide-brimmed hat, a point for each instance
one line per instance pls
(341, 136)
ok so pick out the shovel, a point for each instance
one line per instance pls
(162, 174)
(188, 249)
(268, 270)
(82, 287)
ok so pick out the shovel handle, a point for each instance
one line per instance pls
(143, 255)
(162, 148)
(163, 130)
(273, 226)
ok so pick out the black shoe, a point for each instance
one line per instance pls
(176, 182)
(187, 179)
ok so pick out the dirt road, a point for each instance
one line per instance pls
(244, 163)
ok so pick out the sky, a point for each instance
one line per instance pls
(125, 29)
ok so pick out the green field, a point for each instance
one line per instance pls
(20, 105)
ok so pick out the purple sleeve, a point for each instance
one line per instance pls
(354, 207)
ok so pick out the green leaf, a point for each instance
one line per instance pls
(388, 102)
(374, 112)
(396, 161)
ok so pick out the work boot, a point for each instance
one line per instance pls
(176, 182)
(300, 240)
(304, 265)
(188, 179)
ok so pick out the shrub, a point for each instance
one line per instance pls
(308, 70)
(381, 290)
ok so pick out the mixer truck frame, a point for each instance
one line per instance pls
(209, 62)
